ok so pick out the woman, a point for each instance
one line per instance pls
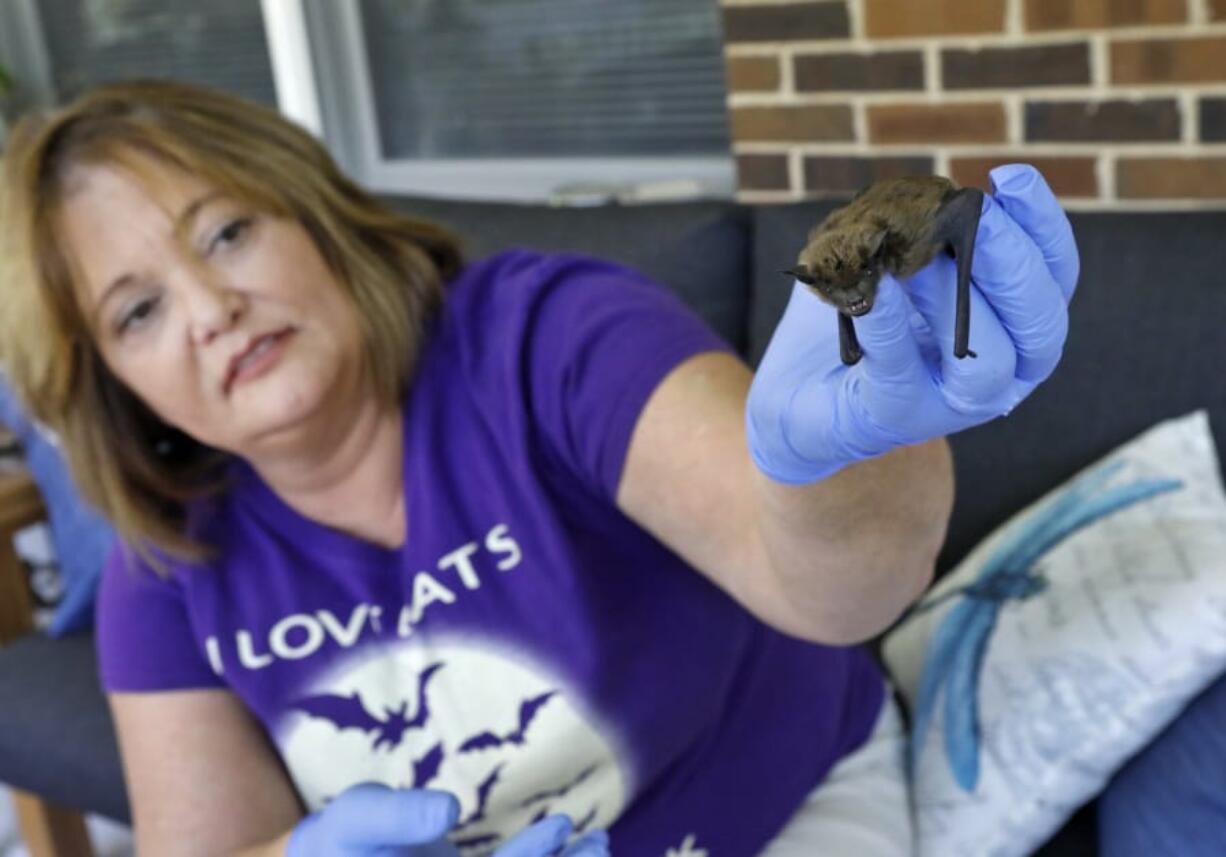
(515, 538)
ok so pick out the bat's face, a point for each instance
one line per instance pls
(842, 269)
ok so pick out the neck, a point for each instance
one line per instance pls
(347, 474)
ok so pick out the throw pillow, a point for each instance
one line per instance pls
(1063, 643)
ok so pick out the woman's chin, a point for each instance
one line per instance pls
(276, 418)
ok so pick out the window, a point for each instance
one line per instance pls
(516, 98)
(496, 99)
(221, 43)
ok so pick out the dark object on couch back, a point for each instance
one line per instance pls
(1144, 346)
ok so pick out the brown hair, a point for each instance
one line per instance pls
(140, 472)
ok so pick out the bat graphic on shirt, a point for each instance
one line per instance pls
(527, 713)
(897, 226)
(564, 790)
(483, 798)
(582, 824)
(483, 841)
(350, 712)
(426, 768)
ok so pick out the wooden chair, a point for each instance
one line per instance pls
(48, 830)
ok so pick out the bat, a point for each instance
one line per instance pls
(483, 798)
(561, 792)
(897, 226)
(582, 824)
(349, 712)
(426, 768)
(527, 713)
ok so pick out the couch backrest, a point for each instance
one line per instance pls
(700, 250)
(1147, 342)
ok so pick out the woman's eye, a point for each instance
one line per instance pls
(140, 312)
(230, 234)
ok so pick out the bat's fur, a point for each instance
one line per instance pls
(889, 226)
(896, 226)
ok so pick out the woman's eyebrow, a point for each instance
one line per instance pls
(182, 223)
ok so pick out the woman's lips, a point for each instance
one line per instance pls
(262, 356)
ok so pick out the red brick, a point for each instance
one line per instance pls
(982, 122)
(833, 173)
(1034, 65)
(1169, 60)
(786, 22)
(1171, 178)
(762, 172)
(1095, 14)
(884, 19)
(804, 123)
(885, 70)
(1067, 176)
(1156, 119)
(753, 74)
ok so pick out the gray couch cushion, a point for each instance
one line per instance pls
(1145, 344)
(700, 250)
(56, 735)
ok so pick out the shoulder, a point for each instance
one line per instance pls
(523, 276)
(525, 299)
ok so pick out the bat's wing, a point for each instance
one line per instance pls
(343, 712)
(483, 790)
(561, 792)
(527, 713)
(477, 841)
(957, 224)
(426, 768)
(582, 824)
(483, 798)
(480, 742)
(422, 715)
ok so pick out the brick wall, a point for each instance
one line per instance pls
(1121, 103)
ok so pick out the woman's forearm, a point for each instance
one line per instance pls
(852, 551)
(275, 848)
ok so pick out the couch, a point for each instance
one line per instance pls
(1145, 344)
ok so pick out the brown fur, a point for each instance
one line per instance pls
(889, 226)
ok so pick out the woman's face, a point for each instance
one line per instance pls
(225, 321)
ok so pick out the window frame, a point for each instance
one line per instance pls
(351, 130)
(321, 76)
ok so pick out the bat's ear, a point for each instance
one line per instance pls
(800, 272)
(875, 243)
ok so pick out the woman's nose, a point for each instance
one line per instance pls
(215, 309)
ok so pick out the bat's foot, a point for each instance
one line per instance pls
(849, 346)
(965, 352)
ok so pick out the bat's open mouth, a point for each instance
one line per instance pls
(858, 307)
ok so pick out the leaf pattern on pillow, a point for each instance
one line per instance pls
(955, 654)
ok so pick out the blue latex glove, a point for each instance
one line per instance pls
(809, 415)
(373, 820)
(81, 536)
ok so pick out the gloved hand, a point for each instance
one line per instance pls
(373, 820)
(809, 415)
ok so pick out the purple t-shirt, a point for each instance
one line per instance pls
(529, 648)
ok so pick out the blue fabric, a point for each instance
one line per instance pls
(1171, 798)
(82, 538)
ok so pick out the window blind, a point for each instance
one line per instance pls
(220, 43)
(546, 78)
